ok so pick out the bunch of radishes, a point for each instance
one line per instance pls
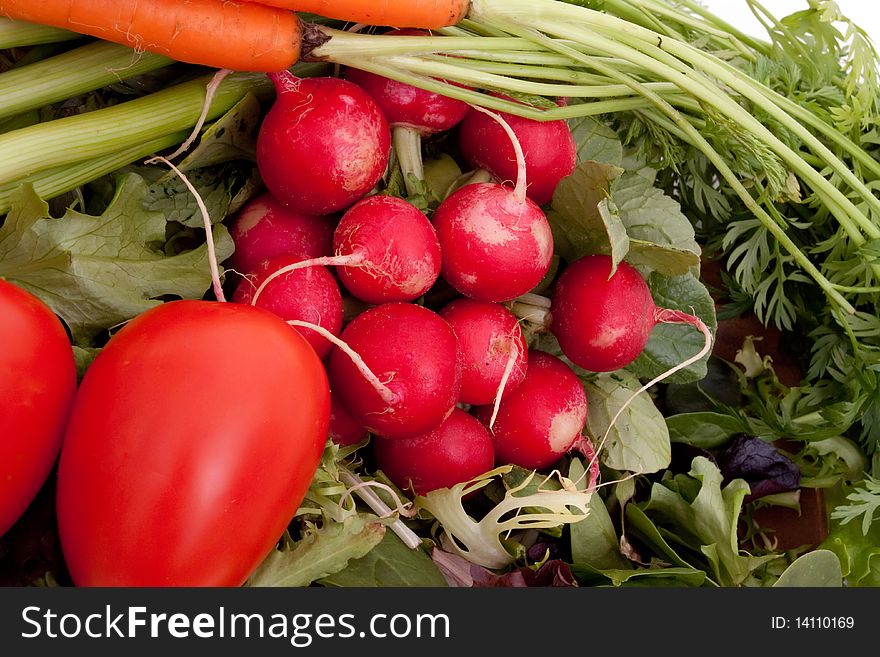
(449, 391)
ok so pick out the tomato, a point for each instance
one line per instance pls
(37, 385)
(192, 440)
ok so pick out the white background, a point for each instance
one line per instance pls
(864, 13)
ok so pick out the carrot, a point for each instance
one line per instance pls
(425, 14)
(240, 36)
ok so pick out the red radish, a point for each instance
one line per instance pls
(414, 353)
(396, 246)
(265, 227)
(323, 145)
(411, 112)
(549, 149)
(542, 419)
(425, 112)
(386, 250)
(496, 242)
(493, 349)
(309, 295)
(602, 322)
(343, 430)
(456, 451)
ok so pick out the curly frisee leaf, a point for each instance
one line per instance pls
(480, 541)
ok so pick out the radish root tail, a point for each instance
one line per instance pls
(384, 392)
(206, 219)
(521, 184)
(666, 316)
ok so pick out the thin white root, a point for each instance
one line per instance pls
(206, 219)
(210, 92)
(521, 184)
(663, 315)
(408, 536)
(508, 370)
(383, 390)
(352, 260)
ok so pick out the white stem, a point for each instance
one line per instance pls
(206, 219)
(535, 300)
(537, 315)
(408, 536)
(408, 147)
(521, 184)
(384, 392)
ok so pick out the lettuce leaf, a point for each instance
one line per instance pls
(98, 271)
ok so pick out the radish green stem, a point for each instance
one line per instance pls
(206, 219)
(519, 190)
(646, 48)
(408, 536)
(535, 300)
(384, 392)
(408, 148)
(699, 141)
(70, 74)
(537, 315)
(659, 62)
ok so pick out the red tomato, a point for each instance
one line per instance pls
(37, 385)
(193, 439)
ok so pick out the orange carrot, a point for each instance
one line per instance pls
(425, 14)
(239, 36)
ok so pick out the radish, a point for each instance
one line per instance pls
(493, 349)
(265, 227)
(385, 250)
(394, 247)
(323, 145)
(496, 242)
(308, 295)
(603, 321)
(343, 429)
(414, 354)
(542, 418)
(456, 451)
(412, 113)
(548, 146)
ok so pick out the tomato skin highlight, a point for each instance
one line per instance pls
(193, 438)
(37, 386)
